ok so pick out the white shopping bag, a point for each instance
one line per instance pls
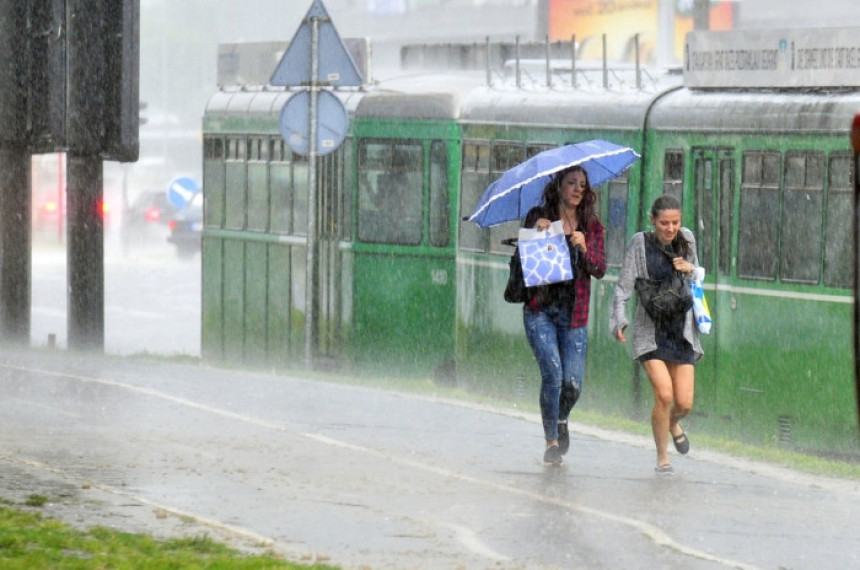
(545, 255)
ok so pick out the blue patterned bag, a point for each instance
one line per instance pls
(545, 255)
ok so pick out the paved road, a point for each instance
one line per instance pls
(365, 478)
(152, 300)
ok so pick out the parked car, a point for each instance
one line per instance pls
(186, 228)
(146, 220)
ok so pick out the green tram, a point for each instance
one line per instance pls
(409, 289)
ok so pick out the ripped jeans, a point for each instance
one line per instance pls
(560, 354)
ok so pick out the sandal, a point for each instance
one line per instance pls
(682, 443)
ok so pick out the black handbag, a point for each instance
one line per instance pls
(664, 299)
(515, 291)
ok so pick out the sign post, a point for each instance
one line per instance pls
(316, 58)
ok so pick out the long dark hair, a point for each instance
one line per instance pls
(669, 202)
(552, 198)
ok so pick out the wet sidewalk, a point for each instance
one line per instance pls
(365, 478)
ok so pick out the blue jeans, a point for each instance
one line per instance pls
(560, 354)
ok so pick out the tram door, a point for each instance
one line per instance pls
(713, 186)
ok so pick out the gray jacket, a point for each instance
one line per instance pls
(643, 327)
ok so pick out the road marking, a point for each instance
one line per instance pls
(657, 535)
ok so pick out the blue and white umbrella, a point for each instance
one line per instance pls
(521, 188)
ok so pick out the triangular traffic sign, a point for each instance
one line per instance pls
(335, 66)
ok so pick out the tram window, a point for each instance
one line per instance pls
(213, 148)
(673, 174)
(280, 188)
(236, 177)
(214, 180)
(258, 196)
(473, 181)
(300, 195)
(533, 149)
(759, 215)
(616, 220)
(703, 167)
(727, 185)
(390, 193)
(803, 214)
(839, 259)
(505, 155)
(438, 195)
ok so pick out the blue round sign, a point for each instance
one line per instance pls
(332, 122)
(181, 190)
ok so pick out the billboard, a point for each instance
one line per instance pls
(621, 20)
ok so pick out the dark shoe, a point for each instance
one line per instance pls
(664, 470)
(563, 437)
(552, 455)
(682, 443)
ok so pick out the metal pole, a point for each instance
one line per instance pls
(85, 253)
(519, 76)
(87, 110)
(489, 73)
(15, 255)
(310, 269)
(855, 240)
(15, 210)
(605, 64)
(548, 65)
(638, 66)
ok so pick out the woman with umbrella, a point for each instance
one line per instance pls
(550, 186)
(667, 347)
(556, 316)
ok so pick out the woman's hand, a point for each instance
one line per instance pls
(620, 334)
(542, 224)
(682, 265)
(577, 239)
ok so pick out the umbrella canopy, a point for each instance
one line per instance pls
(521, 188)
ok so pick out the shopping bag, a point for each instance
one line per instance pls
(544, 255)
(700, 303)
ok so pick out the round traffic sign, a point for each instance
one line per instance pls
(181, 190)
(332, 122)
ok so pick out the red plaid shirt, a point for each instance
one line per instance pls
(593, 264)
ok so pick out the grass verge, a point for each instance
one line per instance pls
(32, 542)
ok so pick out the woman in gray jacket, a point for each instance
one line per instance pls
(668, 350)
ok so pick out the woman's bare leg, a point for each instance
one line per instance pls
(683, 388)
(661, 381)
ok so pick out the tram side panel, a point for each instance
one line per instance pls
(403, 269)
(767, 208)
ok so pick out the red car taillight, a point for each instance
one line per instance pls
(152, 214)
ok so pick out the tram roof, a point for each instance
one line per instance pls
(756, 111)
(423, 96)
(264, 102)
(564, 108)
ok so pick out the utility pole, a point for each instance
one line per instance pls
(15, 210)
(701, 14)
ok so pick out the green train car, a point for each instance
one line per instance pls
(406, 288)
